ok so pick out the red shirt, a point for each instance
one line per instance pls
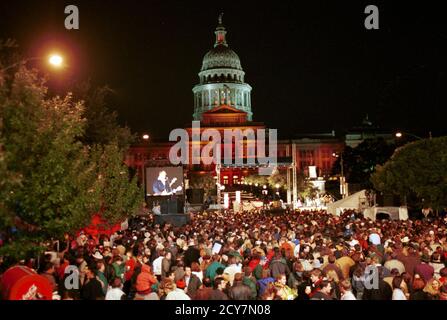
(253, 263)
(130, 267)
(61, 269)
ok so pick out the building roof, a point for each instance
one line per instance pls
(225, 108)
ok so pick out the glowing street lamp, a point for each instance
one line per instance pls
(56, 60)
(145, 137)
(401, 134)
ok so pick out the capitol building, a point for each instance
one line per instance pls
(221, 79)
(222, 99)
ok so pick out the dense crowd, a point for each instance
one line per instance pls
(255, 255)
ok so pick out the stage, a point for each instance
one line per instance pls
(176, 219)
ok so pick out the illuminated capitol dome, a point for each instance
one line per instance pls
(221, 79)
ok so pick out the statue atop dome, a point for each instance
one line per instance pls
(220, 33)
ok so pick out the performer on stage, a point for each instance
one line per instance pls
(162, 186)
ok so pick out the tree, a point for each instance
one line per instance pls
(416, 168)
(360, 162)
(54, 181)
(205, 181)
(101, 123)
(119, 196)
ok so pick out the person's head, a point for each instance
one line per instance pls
(247, 271)
(436, 257)
(407, 277)
(195, 267)
(238, 277)
(443, 291)
(220, 271)
(332, 276)
(219, 283)
(68, 295)
(397, 282)
(116, 283)
(48, 267)
(315, 275)
(171, 275)
(168, 255)
(332, 259)
(345, 286)
(89, 272)
(79, 259)
(432, 287)
(188, 271)
(265, 273)
(325, 287)
(100, 266)
(207, 282)
(395, 272)
(118, 260)
(162, 175)
(168, 285)
(418, 284)
(281, 278)
(436, 284)
(425, 258)
(443, 272)
(270, 292)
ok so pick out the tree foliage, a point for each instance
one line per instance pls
(360, 162)
(52, 181)
(101, 122)
(418, 168)
(304, 187)
(203, 180)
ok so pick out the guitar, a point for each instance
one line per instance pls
(173, 191)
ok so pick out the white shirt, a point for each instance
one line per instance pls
(374, 238)
(398, 294)
(199, 275)
(231, 270)
(177, 294)
(296, 251)
(156, 266)
(114, 294)
(348, 295)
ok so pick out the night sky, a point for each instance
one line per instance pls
(312, 65)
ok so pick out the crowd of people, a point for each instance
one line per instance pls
(308, 255)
